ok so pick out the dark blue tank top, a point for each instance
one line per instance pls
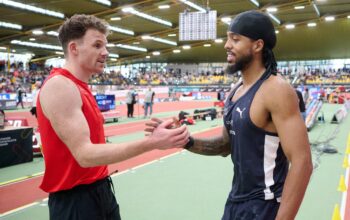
(260, 166)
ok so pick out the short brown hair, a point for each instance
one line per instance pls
(76, 27)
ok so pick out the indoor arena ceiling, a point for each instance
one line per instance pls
(328, 39)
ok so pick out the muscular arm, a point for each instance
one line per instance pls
(212, 146)
(283, 106)
(61, 103)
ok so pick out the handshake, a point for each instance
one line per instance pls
(166, 134)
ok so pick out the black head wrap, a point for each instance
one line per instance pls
(256, 25)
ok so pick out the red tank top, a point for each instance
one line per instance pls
(62, 171)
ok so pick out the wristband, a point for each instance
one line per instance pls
(190, 143)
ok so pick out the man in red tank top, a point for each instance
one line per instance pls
(71, 127)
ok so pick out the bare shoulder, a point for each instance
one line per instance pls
(59, 94)
(279, 94)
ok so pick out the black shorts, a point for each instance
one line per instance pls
(255, 209)
(94, 201)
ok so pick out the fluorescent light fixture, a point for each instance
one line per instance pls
(116, 18)
(3, 48)
(193, 5)
(171, 35)
(121, 30)
(160, 40)
(316, 9)
(329, 18)
(52, 33)
(146, 16)
(31, 44)
(177, 51)
(271, 9)
(299, 7)
(207, 45)
(274, 18)
(13, 51)
(128, 47)
(147, 57)
(218, 41)
(113, 59)
(136, 43)
(164, 6)
(113, 55)
(290, 26)
(110, 45)
(103, 2)
(186, 47)
(348, 17)
(277, 31)
(226, 20)
(156, 53)
(10, 25)
(312, 24)
(255, 2)
(59, 53)
(32, 39)
(31, 8)
(38, 32)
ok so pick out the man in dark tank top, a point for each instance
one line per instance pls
(264, 131)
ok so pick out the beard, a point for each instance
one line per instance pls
(239, 65)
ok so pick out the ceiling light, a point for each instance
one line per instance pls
(59, 53)
(146, 37)
(10, 25)
(274, 18)
(186, 47)
(171, 35)
(113, 59)
(176, 51)
(299, 7)
(30, 44)
(146, 16)
(329, 18)
(193, 5)
(271, 9)
(110, 45)
(163, 6)
(147, 57)
(52, 33)
(348, 16)
(207, 45)
(31, 8)
(37, 32)
(3, 48)
(116, 19)
(103, 2)
(290, 26)
(113, 55)
(255, 2)
(121, 30)
(226, 20)
(156, 53)
(13, 51)
(312, 24)
(136, 42)
(32, 39)
(277, 31)
(128, 47)
(218, 41)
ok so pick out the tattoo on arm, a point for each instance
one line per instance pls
(219, 145)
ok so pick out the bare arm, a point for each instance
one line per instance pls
(61, 103)
(219, 145)
(292, 132)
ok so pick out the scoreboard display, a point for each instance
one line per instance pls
(105, 102)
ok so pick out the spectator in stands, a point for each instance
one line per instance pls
(20, 93)
(301, 104)
(263, 129)
(131, 101)
(72, 134)
(35, 94)
(149, 100)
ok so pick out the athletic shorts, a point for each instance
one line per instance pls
(94, 201)
(255, 209)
